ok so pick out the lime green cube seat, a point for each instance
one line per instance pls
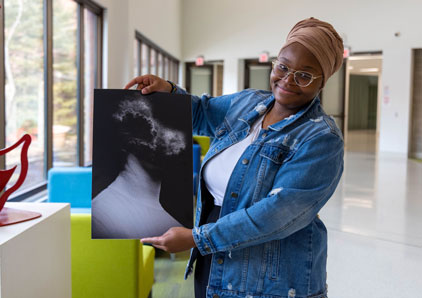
(204, 142)
(108, 268)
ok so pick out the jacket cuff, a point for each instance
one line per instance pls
(202, 241)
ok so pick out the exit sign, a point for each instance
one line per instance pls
(199, 61)
(263, 57)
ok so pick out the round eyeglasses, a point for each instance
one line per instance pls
(302, 78)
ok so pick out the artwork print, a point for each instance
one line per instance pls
(142, 164)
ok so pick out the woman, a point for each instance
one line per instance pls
(275, 161)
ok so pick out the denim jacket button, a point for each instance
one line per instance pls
(245, 161)
(215, 296)
(220, 261)
(264, 135)
(234, 195)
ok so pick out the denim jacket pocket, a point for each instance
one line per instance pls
(276, 153)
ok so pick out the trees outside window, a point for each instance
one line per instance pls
(51, 50)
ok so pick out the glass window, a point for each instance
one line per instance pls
(144, 61)
(160, 65)
(90, 79)
(152, 61)
(259, 77)
(175, 72)
(136, 58)
(166, 68)
(24, 85)
(171, 70)
(29, 66)
(65, 41)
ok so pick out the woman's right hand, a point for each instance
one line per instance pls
(149, 83)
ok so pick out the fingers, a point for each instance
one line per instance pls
(153, 240)
(157, 242)
(165, 248)
(141, 80)
(146, 90)
(149, 83)
(132, 83)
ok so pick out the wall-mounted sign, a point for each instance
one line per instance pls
(199, 61)
(263, 57)
(346, 52)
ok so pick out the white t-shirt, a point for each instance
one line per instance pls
(218, 170)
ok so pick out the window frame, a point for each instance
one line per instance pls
(48, 85)
(142, 39)
(2, 89)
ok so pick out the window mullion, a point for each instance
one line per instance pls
(80, 84)
(99, 47)
(2, 91)
(139, 60)
(48, 85)
(149, 59)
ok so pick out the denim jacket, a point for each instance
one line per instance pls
(269, 241)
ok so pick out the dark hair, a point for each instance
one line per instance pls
(144, 136)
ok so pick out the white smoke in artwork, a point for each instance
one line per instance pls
(172, 140)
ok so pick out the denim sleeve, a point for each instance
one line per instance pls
(208, 112)
(301, 188)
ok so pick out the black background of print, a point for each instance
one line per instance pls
(172, 111)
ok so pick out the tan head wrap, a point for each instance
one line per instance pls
(322, 40)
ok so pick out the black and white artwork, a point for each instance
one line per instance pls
(142, 164)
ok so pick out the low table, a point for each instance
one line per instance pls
(35, 255)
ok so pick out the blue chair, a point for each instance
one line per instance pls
(100, 268)
(71, 185)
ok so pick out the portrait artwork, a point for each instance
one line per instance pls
(142, 164)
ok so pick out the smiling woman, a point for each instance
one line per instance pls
(275, 161)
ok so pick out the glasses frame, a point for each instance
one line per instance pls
(294, 72)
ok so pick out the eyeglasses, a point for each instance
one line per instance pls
(302, 78)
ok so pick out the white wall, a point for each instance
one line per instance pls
(158, 20)
(238, 29)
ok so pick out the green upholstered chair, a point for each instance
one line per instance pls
(204, 142)
(108, 268)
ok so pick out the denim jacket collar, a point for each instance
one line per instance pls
(263, 106)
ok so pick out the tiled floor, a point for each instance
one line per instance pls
(374, 223)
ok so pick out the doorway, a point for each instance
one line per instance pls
(207, 78)
(363, 81)
(257, 74)
(352, 98)
(415, 150)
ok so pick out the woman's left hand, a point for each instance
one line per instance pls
(176, 239)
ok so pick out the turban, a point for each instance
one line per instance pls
(322, 40)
